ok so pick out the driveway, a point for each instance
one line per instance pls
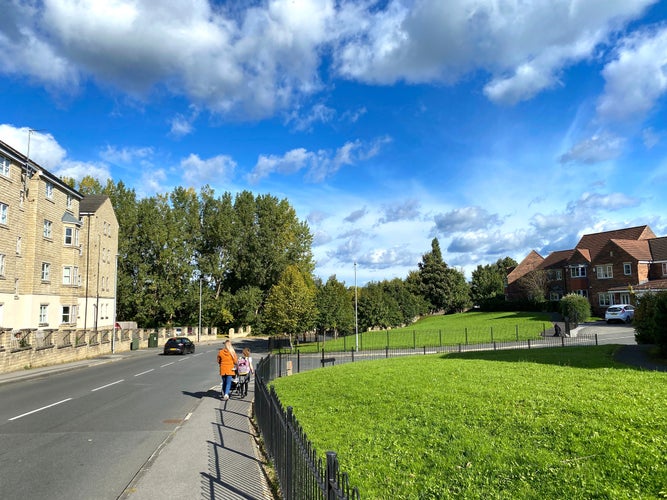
(613, 333)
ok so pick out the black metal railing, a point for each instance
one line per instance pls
(301, 473)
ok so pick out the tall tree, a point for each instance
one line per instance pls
(335, 307)
(487, 287)
(290, 306)
(433, 278)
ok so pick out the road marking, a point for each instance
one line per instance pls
(40, 409)
(108, 385)
(187, 417)
(168, 364)
(144, 373)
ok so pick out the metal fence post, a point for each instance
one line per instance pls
(331, 475)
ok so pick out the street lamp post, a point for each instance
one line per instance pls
(356, 320)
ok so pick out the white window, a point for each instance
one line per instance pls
(625, 298)
(664, 268)
(583, 293)
(49, 190)
(76, 236)
(604, 299)
(604, 272)
(4, 166)
(555, 274)
(554, 296)
(67, 275)
(4, 214)
(46, 271)
(69, 202)
(43, 313)
(578, 272)
(627, 268)
(18, 245)
(2, 264)
(69, 236)
(68, 314)
(47, 228)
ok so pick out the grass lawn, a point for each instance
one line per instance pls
(450, 329)
(540, 424)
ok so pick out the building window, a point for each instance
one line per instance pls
(69, 202)
(664, 268)
(2, 264)
(70, 275)
(46, 271)
(43, 314)
(18, 245)
(4, 166)
(49, 190)
(583, 293)
(555, 274)
(69, 236)
(627, 268)
(76, 236)
(578, 272)
(604, 272)
(554, 296)
(4, 214)
(47, 228)
(604, 299)
(625, 298)
(68, 314)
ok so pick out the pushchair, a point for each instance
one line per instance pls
(240, 385)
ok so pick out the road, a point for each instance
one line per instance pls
(85, 433)
(613, 333)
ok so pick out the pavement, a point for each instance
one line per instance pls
(213, 454)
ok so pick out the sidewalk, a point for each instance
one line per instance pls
(212, 455)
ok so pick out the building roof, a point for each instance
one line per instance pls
(595, 241)
(658, 247)
(638, 250)
(557, 259)
(91, 203)
(653, 285)
(532, 261)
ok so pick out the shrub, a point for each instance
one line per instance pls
(575, 307)
(651, 320)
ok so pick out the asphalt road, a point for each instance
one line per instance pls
(612, 333)
(84, 434)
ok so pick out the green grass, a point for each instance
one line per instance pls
(450, 329)
(539, 424)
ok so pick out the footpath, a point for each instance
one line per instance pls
(212, 455)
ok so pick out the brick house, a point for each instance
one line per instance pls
(607, 268)
(57, 251)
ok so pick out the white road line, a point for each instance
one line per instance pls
(40, 409)
(168, 364)
(108, 385)
(144, 373)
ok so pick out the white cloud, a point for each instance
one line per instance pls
(596, 149)
(637, 78)
(126, 155)
(408, 210)
(216, 170)
(464, 219)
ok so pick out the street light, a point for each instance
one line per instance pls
(356, 321)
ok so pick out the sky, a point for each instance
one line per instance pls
(497, 126)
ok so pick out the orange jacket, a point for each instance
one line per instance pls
(226, 361)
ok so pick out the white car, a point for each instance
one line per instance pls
(620, 312)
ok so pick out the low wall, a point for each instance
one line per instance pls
(24, 349)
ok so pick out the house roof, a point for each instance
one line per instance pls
(556, 259)
(658, 247)
(653, 285)
(532, 261)
(638, 250)
(596, 241)
(92, 203)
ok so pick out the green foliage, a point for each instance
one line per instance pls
(335, 307)
(487, 286)
(576, 308)
(650, 320)
(290, 306)
(445, 289)
(543, 423)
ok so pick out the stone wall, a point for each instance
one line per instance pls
(25, 349)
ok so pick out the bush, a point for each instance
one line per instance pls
(576, 308)
(651, 320)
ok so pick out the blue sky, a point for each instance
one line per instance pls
(497, 126)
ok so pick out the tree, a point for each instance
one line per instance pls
(335, 307)
(576, 308)
(433, 278)
(458, 291)
(650, 320)
(487, 287)
(290, 306)
(534, 285)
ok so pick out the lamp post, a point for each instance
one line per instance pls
(199, 329)
(356, 320)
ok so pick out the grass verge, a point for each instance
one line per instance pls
(544, 423)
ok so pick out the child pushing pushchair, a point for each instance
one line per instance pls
(243, 370)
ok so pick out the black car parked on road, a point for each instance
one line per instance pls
(179, 345)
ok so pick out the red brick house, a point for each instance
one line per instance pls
(605, 267)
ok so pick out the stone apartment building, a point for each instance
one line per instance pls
(57, 251)
(607, 268)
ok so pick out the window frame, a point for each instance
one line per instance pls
(664, 268)
(3, 261)
(47, 231)
(4, 214)
(46, 272)
(49, 189)
(580, 271)
(604, 271)
(605, 299)
(68, 234)
(43, 314)
(627, 268)
(5, 167)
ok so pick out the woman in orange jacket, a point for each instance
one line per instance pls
(227, 361)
